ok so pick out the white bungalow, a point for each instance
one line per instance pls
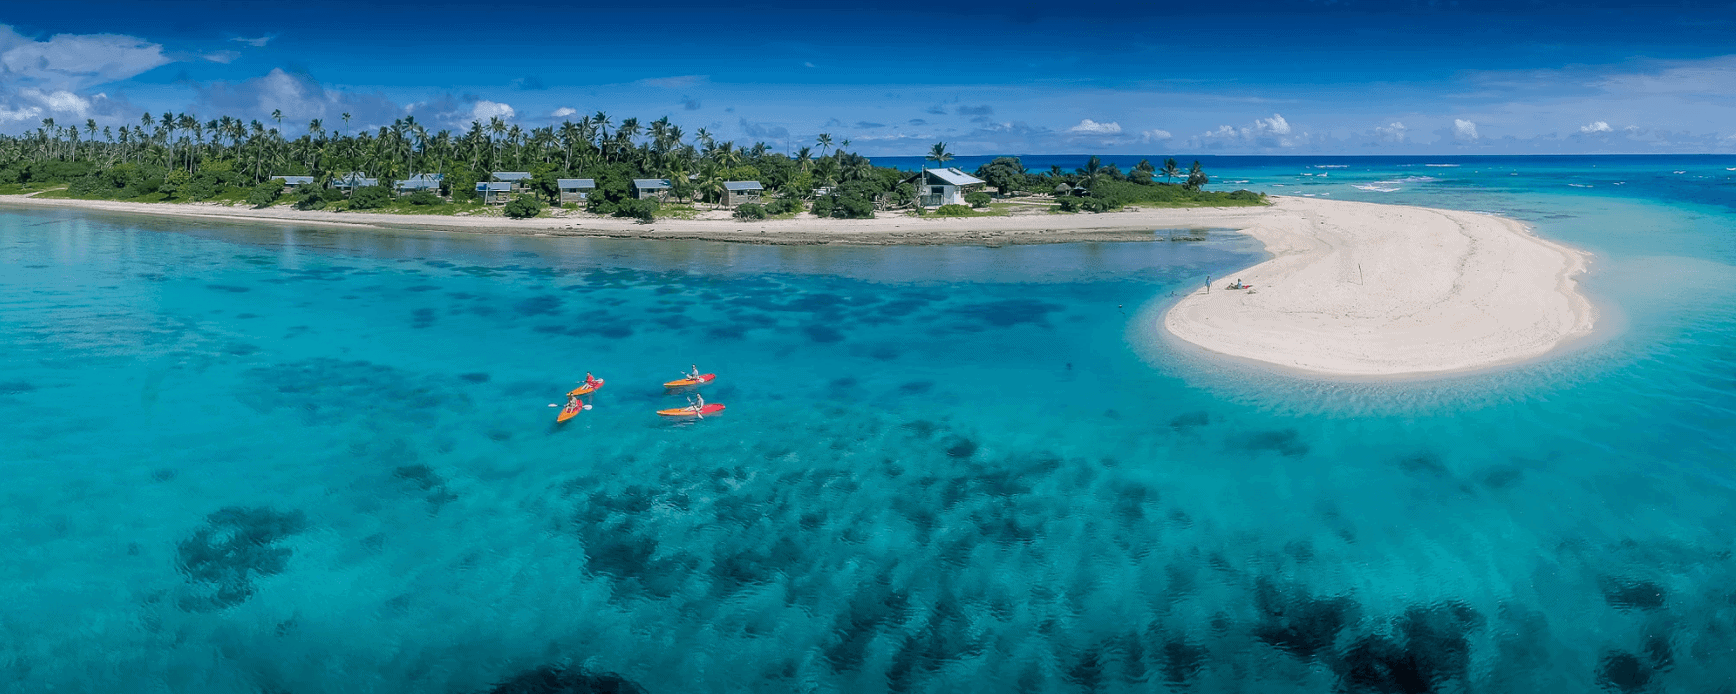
(936, 187)
(575, 189)
(518, 179)
(428, 182)
(650, 188)
(494, 192)
(349, 182)
(738, 192)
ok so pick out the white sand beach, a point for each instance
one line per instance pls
(1360, 289)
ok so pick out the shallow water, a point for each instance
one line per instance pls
(288, 460)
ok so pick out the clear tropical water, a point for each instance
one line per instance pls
(306, 460)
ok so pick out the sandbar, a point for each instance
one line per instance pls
(1364, 289)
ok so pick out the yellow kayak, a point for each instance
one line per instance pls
(585, 389)
(710, 408)
(685, 382)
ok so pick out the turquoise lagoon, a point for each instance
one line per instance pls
(277, 459)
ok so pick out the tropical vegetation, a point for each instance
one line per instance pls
(181, 158)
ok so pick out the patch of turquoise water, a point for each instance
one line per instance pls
(941, 469)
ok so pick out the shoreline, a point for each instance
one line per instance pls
(1371, 290)
(1139, 225)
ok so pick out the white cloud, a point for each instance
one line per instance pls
(60, 101)
(1276, 125)
(807, 64)
(1091, 127)
(224, 57)
(1596, 127)
(299, 97)
(1464, 130)
(1394, 132)
(1155, 135)
(256, 42)
(485, 110)
(563, 112)
(19, 114)
(74, 61)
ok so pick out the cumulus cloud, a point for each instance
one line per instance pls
(1155, 135)
(1392, 132)
(486, 110)
(299, 96)
(1596, 127)
(1274, 132)
(1464, 130)
(1091, 127)
(74, 61)
(564, 112)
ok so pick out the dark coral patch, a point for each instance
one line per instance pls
(1632, 594)
(557, 680)
(1299, 624)
(1623, 672)
(1287, 442)
(237, 544)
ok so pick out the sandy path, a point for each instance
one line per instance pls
(888, 229)
(1364, 289)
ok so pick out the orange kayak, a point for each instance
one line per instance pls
(585, 390)
(685, 382)
(569, 412)
(710, 408)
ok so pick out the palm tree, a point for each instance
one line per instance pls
(346, 125)
(1196, 177)
(825, 143)
(1170, 169)
(938, 154)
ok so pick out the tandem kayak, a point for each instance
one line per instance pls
(685, 382)
(710, 408)
(570, 411)
(585, 390)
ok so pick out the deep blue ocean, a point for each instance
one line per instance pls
(252, 458)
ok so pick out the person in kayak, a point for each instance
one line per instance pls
(697, 404)
(694, 375)
(591, 381)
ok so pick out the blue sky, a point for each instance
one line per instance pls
(1339, 77)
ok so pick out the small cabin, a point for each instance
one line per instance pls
(420, 182)
(936, 187)
(738, 192)
(294, 182)
(651, 188)
(575, 189)
(349, 182)
(518, 179)
(494, 192)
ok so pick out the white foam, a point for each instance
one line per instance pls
(1579, 185)
(1346, 166)
(1377, 188)
(1444, 166)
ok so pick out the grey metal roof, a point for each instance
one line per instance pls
(421, 182)
(568, 183)
(511, 175)
(295, 180)
(742, 185)
(496, 186)
(955, 177)
(648, 183)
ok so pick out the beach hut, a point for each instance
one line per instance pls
(494, 192)
(518, 179)
(936, 187)
(349, 182)
(418, 182)
(293, 182)
(575, 189)
(650, 188)
(738, 192)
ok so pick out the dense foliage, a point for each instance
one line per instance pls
(750, 211)
(523, 207)
(180, 158)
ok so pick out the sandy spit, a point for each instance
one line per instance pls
(1133, 225)
(1361, 289)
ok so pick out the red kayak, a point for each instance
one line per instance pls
(586, 389)
(710, 408)
(685, 382)
(570, 411)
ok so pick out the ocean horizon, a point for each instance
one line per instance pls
(282, 458)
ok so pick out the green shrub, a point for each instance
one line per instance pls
(422, 198)
(750, 211)
(524, 207)
(201, 188)
(978, 199)
(266, 193)
(782, 206)
(1068, 204)
(643, 210)
(822, 206)
(952, 211)
(174, 181)
(370, 198)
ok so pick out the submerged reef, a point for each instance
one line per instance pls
(237, 544)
